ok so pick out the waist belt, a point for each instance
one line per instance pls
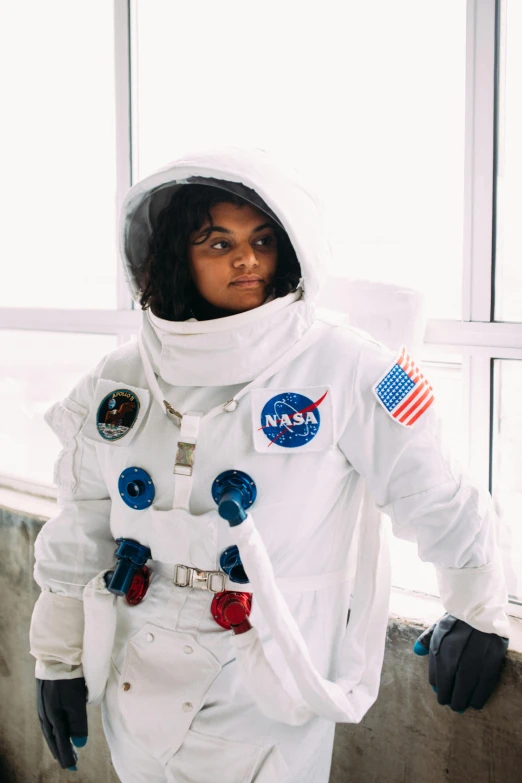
(218, 581)
(186, 576)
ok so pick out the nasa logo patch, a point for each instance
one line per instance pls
(117, 414)
(298, 419)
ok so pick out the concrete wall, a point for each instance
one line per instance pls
(406, 737)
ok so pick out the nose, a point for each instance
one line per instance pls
(245, 256)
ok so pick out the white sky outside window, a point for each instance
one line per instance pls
(39, 368)
(57, 154)
(508, 272)
(370, 108)
(507, 469)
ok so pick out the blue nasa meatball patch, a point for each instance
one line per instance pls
(291, 419)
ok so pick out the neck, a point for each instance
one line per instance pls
(204, 311)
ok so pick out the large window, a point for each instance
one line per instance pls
(368, 108)
(58, 155)
(508, 237)
(405, 117)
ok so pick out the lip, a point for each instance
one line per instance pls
(247, 282)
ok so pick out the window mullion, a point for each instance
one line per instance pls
(134, 88)
(123, 131)
(479, 160)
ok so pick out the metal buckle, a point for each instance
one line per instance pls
(187, 582)
(199, 579)
(221, 579)
(184, 458)
(185, 454)
(214, 581)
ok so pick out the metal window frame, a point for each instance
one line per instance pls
(479, 158)
(477, 338)
(124, 107)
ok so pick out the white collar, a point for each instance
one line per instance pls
(225, 351)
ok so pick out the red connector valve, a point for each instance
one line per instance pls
(138, 586)
(230, 610)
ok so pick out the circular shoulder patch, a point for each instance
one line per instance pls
(291, 419)
(117, 414)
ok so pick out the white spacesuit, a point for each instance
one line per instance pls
(304, 405)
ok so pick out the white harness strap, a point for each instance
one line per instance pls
(185, 458)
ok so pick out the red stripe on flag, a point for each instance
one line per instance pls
(405, 363)
(406, 403)
(419, 413)
(414, 406)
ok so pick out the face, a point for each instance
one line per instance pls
(232, 268)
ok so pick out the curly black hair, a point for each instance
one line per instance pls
(168, 288)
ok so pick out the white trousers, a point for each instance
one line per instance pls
(175, 709)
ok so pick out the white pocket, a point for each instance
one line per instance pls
(165, 677)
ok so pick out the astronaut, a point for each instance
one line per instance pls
(237, 373)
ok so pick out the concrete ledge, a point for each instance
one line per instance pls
(407, 737)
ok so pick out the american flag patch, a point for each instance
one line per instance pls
(404, 391)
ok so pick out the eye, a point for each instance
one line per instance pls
(268, 239)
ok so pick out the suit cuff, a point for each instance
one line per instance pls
(56, 636)
(477, 596)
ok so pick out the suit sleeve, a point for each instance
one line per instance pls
(74, 545)
(428, 497)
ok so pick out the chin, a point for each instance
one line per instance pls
(244, 309)
(240, 304)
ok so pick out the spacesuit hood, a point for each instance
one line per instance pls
(267, 182)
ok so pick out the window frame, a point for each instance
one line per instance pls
(477, 338)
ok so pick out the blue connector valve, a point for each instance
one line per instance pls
(234, 491)
(136, 488)
(131, 557)
(230, 563)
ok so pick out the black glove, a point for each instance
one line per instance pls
(62, 710)
(464, 664)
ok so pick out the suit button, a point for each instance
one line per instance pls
(126, 686)
(186, 706)
(187, 649)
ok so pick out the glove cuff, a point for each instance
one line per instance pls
(477, 596)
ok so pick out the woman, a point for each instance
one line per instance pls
(237, 381)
